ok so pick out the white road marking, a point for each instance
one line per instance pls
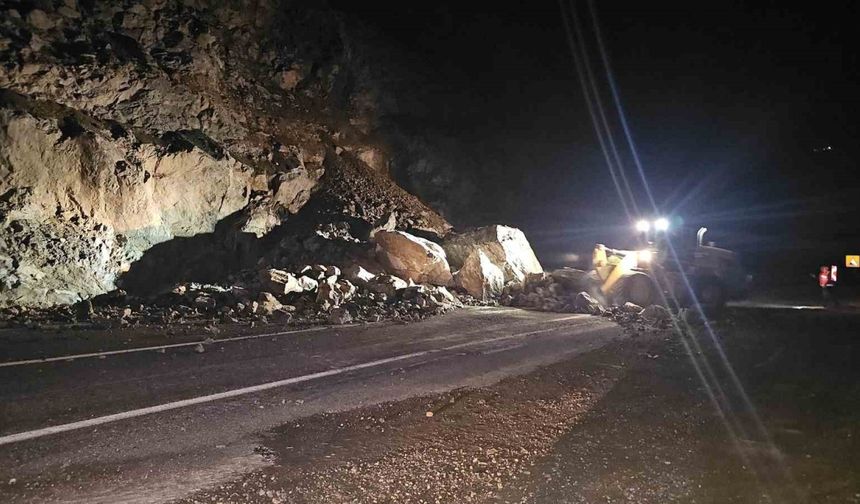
(773, 306)
(92, 422)
(72, 357)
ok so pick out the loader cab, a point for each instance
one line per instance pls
(683, 259)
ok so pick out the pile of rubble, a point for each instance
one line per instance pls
(392, 275)
(400, 276)
(570, 290)
(315, 294)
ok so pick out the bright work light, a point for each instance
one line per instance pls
(643, 226)
(661, 224)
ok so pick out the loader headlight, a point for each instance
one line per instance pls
(643, 226)
(643, 256)
(661, 224)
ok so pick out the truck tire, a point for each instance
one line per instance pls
(639, 289)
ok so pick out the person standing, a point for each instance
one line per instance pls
(827, 282)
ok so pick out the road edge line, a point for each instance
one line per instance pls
(93, 422)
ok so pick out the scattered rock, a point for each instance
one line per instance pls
(631, 307)
(386, 284)
(387, 222)
(333, 294)
(268, 304)
(358, 275)
(315, 271)
(280, 282)
(339, 316)
(656, 315)
(308, 284)
(205, 302)
(444, 296)
(584, 303)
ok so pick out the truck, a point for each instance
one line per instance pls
(672, 272)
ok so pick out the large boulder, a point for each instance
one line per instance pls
(506, 247)
(412, 258)
(480, 277)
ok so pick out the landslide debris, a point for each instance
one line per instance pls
(314, 294)
(170, 139)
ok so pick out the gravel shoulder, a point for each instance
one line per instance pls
(630, 422)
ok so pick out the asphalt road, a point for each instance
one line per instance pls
(151, 426)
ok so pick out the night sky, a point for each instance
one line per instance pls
(744, 116)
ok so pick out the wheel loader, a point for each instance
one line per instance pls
(661, 273)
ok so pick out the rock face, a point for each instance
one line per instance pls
(480, 277)
(412, 258)
(504, 246)
(129, 126)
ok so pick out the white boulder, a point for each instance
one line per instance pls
(506, 247)
(480, 277)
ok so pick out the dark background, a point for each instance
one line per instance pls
(744, 116)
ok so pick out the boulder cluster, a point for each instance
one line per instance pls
(576, 291)
(395, 275)
(562, 290)
(314, 294)
(398, 276)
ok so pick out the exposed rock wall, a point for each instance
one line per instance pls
(126, 124)
(77, 211)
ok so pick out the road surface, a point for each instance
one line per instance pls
(156, 424)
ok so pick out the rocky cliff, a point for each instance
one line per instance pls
(130, 124)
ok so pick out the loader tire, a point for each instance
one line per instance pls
(639, 289)
(712, 295)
